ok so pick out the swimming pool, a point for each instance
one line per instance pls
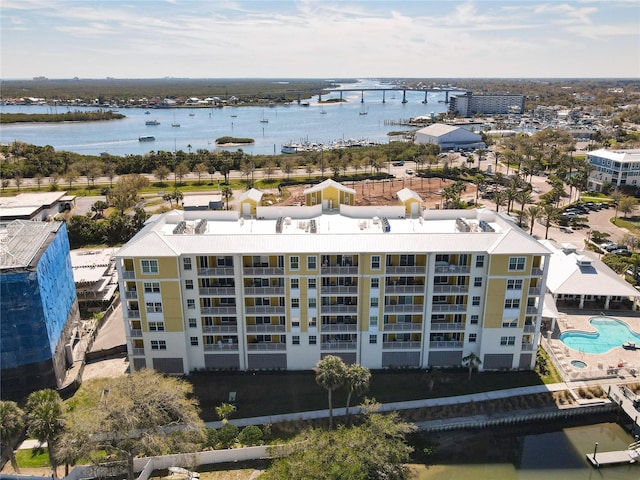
(611, 333)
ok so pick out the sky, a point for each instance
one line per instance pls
(320, 39)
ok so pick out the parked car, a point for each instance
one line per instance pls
(409, 171)
(398, 164)
(621, 251)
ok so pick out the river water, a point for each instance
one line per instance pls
(554, 455)
(199, 127)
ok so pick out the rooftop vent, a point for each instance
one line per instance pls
(201, 226)
(386, 227)
(485, 227)
(279, 223)
(180, 228)
(313, 226)
(462, 225)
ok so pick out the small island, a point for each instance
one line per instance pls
(75, 116)
(233, 141)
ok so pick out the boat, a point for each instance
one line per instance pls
(364, 112)
(147, 112)
(322, 111)
(289, 148)
(305, 104)
(152, 122)
(175, 124)
(264, 119)
(192, 114)
(146, 138)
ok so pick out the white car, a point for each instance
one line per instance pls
(408, 171)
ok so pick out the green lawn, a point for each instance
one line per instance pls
(269, 393)
(33, 458)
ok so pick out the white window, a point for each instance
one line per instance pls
(375, 282)
(313, 321)
(480, 261)
(312, 302)
(295, 322)
(374, 301)
(475, 301)
(149, 266)
(312, 263)
(154, 307)
(312, 340)
(193, 323)
(474, 320)
(514, 284)
(158, 345)
(507, 341)
(311, 283)
(373, 320)
(294, 263)
(517, 263)
(375, 262)
(188, 284)
(156, 326)
(295, 303)
(194, 341)
(191, 304)
(512, 303)
(186, 263)
(295, 339)
(295, 283)
(473, 337)
(477, 282)
(373, 339)
(151, 287)
(510, 323)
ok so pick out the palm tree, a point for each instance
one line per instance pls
(479, 181)
(45, 421)
(227, 193)
(358, 378)
(500, 197)
(549, 213)
(471, 361)
(224, 411)
(11, 427)
(534, 212)
(331, 374)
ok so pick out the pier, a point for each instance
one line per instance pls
(602, 459)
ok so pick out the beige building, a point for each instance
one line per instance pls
(377, 285)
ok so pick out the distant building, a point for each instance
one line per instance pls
(38, 305)
(202, 202)
(469, 104)
(618, 168)
(35, 206)
(449, 137)
(95, 277)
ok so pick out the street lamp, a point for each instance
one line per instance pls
(595, 450)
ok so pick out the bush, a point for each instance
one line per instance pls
(250, 436)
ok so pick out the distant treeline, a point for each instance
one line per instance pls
(75, 116)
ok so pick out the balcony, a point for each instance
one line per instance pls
(339, 327)
(404, 308)
(265, 309)
(449, 307)
(338, 346)
(450, 289)
(532, 310)
(339, 270)
(263, 291)
(527, 347)
(400, 345)
(266, 328)
(217, 291)
(536, 272)
(131, 294)
(216, 272)
(339, 289)
(133, 313)
(221, 347)
(445, 344)
(220, 310)
(446, 326)
(405, 269)
(262, 271)
(137, 352)
(452, 269)
(128, 274)
(265, 346)
(228, 328)
(338, 308)
(135, 333)
(535, 291)
(403, 289)
(529, 329)
(402, 327)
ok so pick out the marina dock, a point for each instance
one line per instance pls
(602, 459)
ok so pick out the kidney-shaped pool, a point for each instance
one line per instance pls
(611, 333)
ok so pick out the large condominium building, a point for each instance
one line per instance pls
(613, 167)
(500, 103)
(280, 287)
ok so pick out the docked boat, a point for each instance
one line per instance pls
(290, 148)
(146, 138)
(152, 122)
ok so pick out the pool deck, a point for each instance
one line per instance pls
(618, 362)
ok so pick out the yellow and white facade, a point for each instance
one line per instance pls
(374, 285)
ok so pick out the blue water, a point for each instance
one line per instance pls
(286, 124)
(611, 333)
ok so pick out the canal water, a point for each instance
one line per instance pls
(199, 127)
(547, 455)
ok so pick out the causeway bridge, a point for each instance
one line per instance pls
(384, 91)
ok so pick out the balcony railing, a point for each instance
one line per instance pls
(341, 289)
(400, 345)
(406, 269)
(339, 327)
(131, 294)
(452, 269)
(228, 328)
(527, 347)
(217, 291)
(138, 352)
(447, 326)
(534, 290)
(221, 347)
(536, 272)
(449, 307)
(450, 288)
(266, 346)
(222, 310)
(402, 327)
(339, 270)
(338, 346)
(404, 308)
(128, 274)
(529, 329)
(136, 332)
(262, 271)
(445, 344)
(338, 308)
(133, 313)
(215, 272)
(261, 291)
(401, 289)
(265, 309)
(532, 310)
(266, 328)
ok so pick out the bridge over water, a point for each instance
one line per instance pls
(384, 90)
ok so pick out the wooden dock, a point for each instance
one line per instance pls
(602, 459)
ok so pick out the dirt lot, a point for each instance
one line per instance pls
(384, 192)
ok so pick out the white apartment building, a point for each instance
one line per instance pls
(615, 167)
(278, 287)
